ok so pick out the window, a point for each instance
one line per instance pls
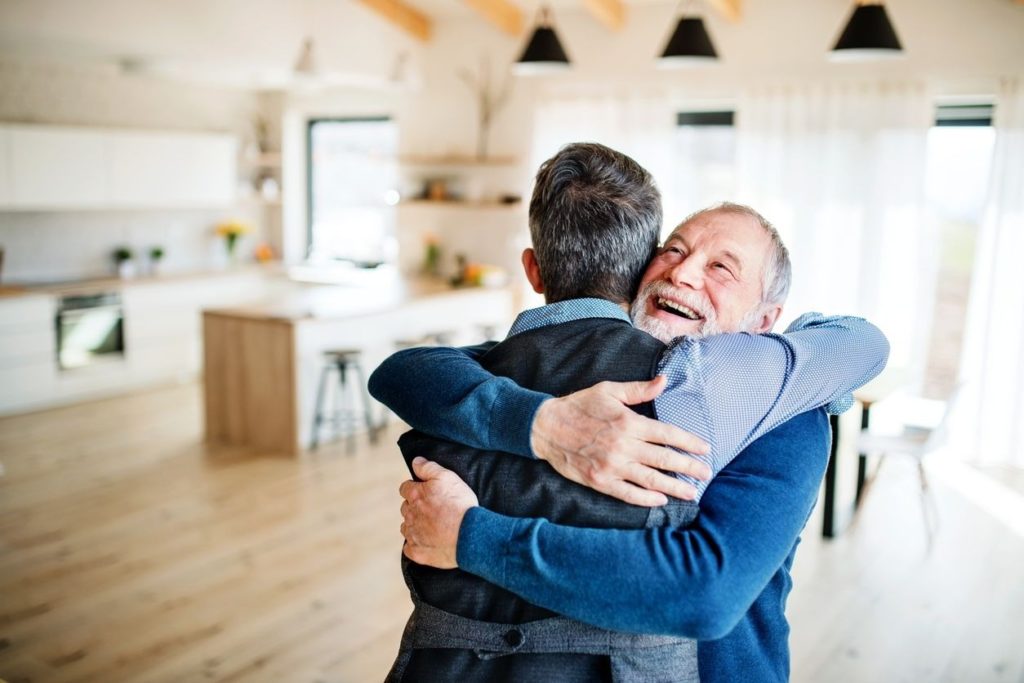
(351, 195)
(959, 160)
(704, 169)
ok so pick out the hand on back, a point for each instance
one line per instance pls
(593, 438)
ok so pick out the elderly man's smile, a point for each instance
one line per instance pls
(677, 308)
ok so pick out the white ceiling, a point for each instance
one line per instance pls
(219, 39)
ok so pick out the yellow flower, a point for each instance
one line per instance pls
(232, 226)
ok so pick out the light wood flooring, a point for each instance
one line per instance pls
(129, 551)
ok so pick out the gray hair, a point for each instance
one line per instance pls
(595, 217)
(778, 271)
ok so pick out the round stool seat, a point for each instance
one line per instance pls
(342, 354)
(438, 338)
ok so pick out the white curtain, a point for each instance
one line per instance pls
(840, 170)
(640, 126)
(992, 424)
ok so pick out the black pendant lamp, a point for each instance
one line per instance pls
(544, 53)
(689, 44)
(868, 35)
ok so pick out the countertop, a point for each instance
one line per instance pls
(318, 302)
(107, 284)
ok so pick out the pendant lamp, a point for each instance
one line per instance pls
(689, 44)
(868, 35)
(544, 53)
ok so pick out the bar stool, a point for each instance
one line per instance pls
(438, 338)
(344, 418)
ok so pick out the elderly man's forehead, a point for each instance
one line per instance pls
(719, 218)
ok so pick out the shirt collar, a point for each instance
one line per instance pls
(567, 311)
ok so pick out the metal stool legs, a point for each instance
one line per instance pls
(344, 416)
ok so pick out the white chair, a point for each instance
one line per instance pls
(924, 429)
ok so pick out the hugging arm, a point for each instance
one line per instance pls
(445, 393)
(726, 389)
(589, 437)
(694, 582)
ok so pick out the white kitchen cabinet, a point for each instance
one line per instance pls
(65, 168)
(163, 322)
(58, 168)
(162, 335)
(28, 352)
(172, 169)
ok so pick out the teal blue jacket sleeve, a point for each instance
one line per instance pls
(445, 392)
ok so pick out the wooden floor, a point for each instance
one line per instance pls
(129, 551)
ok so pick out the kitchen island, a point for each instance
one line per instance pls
(262, 362)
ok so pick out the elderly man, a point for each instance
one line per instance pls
(722, 270)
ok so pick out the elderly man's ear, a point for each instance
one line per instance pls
(769, 314)
(532, 269)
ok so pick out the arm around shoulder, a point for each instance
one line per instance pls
(446, 393)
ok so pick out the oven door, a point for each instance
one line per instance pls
(89, 328)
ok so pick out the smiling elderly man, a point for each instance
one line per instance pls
(547, 547)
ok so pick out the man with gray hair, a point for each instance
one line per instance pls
(541, 546)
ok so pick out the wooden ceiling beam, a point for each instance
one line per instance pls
(611, 13)
(730, 9)
(405, 17)
(506, 16)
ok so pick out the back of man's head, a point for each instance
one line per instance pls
(595, 218)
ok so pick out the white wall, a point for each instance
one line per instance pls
(59, 245)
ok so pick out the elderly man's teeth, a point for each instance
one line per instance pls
(678, 308)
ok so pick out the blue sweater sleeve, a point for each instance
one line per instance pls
(445, 392)
(694, 582)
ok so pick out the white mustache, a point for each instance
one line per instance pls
(688, 299)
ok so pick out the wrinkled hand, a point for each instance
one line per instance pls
(592, 438)
(432, 513)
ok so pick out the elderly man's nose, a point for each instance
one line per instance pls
(688, 272)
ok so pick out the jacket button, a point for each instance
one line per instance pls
(514, 637)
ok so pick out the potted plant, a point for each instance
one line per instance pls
(155, 255)
(123, 262)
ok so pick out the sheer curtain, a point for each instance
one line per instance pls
(640, 126)
(840, 169)
(992, 428)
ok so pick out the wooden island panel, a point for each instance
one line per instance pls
(249, 367)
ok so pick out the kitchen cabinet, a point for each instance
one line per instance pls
(28, 352)
(171, 169)
(66, 168)
(163, 321)
(58, 168)
(162, 337)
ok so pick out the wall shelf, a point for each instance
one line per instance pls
(263, 160)
(456, 161)
(462, 204)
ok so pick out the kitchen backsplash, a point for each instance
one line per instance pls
(57, 246)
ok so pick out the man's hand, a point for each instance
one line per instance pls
(432, 514)
(592, 438)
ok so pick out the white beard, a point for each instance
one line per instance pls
(663, 331)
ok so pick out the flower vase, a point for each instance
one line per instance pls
(230, 242)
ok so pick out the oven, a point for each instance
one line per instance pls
(90, 328)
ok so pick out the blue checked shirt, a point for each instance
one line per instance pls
(728, 389)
